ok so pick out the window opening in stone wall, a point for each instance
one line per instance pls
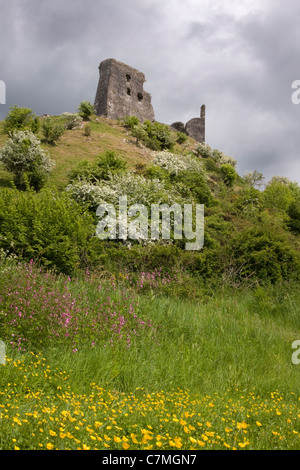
(128, 91)
(128, 77)
(140, 96)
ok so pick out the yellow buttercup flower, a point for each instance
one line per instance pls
(244, 444)
(242, 425)
(133, 438)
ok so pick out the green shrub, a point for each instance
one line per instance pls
(181, 138)
(159, 134)
(154, 135)
(116, 257)
(35, 125)
(196, 183)
(84, 170)
(260, 254)
(203, 150)
(131, 121)
(278, 194)
(211, 165)
(18, 119)
(23, 156)
(107, 164)
(52, 131)
(156, 172)
(72, 120)
(248, 201)
(139, 132)
(87, 130)
(47, 227)
(228, 173)
(294, 214)
(86, 110)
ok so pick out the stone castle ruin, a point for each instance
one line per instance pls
(194, 128)
(120, 93)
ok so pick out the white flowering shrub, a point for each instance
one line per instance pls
(203, 150)
(91, 194)
(72, 120)
(174, 163)
(222, 159)
(226, 159)
(23, 156)
(138, 190)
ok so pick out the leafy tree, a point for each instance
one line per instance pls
(254, 178)
(23, 156)
(279, 193)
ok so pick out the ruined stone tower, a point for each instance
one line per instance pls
(195, 127)
(120, 92)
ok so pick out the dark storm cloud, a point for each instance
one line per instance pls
(51, 50)
(238, 57)
(247, 87)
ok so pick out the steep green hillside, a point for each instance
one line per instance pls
(142, 344)
(251, 235)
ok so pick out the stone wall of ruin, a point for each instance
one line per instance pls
(120, 92)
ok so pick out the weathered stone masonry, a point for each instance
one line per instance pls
(120, 93)
(195, 128)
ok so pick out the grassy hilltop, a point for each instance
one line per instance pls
(111, 345)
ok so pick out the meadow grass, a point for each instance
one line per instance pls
(218, 374)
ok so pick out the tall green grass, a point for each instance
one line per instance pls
(218, 372)
(232, 340)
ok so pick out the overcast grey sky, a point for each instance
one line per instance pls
(239, 57)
